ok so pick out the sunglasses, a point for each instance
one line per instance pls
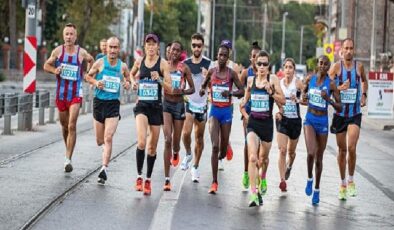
(196, 45)
(262, 64)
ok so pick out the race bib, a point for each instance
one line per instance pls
(290, 109)
(111, 84)
(316, 99)
(259, 102)
(196, 109)
(148, 91)
(176, 80)
(69, 72)
(217, 93)
(349, 96)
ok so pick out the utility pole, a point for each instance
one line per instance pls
(373, 43)
(213, 30)
(264, 25)
(140, 24)
(234, 29)
(199, 17)
(282, 54)
(301, 40)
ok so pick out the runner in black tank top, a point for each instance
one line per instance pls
(148, 112)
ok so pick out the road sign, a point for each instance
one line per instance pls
(29, 64)
(329, 51)
(380, 95)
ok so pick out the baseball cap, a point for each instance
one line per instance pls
(227, 43)
(152, 36)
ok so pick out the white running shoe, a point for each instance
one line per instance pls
(68, 166)
(195, 175)
(220, 165)
(186, 162)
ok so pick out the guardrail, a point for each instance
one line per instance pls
(24, 105)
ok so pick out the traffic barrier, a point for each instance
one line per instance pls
(42, 102)
(25, 112)
(10, 108)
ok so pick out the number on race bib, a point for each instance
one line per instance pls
(69, 72)
(111, 84)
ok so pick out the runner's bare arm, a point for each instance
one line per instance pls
(166, 81)
(49, 65)
(91, 75)
(246, 99)
(335, 92)
(189, 79)
(240, 92)
(304, 91)
(364, 85)
(126, 74)
(133, 72)
(243, 76)
(333, 71)
(277, 92)
(88, 58)
(206, 82)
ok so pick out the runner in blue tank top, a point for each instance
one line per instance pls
(245, 75)
(108, 74)
(350, 78)
(317, 95)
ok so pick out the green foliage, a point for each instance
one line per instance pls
(5, 19)
(311, 64)
(243, 50)
(2, 76)
(173, 20)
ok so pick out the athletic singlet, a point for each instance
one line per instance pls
(250, 75)
(197, 104)
(291, 109)
(315, 100)
(177, 78)
(350, 98)
(149, 91)
(217, 86)
(69, 81)
(261, 102)
(111, 77)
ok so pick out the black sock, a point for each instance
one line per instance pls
(151, 162)
(140, 156)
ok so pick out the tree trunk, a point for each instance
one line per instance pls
(86, 22)
(13, 39)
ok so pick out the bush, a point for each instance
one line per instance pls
(2, 76)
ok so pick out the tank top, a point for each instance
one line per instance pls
(261, 102)
(69, 81)
(177, 78)
(291, 109)
(315, 100)
(218, 86)
(250, 75)
(197, 104)
(111, 77)
(149, 90)
(350, 98)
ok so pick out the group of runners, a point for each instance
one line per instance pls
(182, 95)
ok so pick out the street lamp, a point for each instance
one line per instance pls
(301, 40)
(282, 55)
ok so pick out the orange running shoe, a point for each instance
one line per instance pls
(167, 186)
(214, 188)
(138, 184)
(175, 159)
(229, 153)
(147, 189)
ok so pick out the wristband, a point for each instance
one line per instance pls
(331, 102)
(365, 95)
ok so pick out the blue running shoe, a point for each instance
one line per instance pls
(308, 188)
(316, 197)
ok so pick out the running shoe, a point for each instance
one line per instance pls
(102, 177)
(308, 188)
(352, 189)
(342, 195)
(167, 186)
(186, 162)
(138, 184)
(175, 159)
(68, 167)
(283, 186)
(214, 188)
(260, 198)
(147, 188)
(263, 186)
(195, 174)
(287, 174)
(220, 165)
(229, 153)
(253, 200)
(316, 197)
(245, 180)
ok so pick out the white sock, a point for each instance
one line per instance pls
(310, 179)
(167, 179)
(104, 168)
(344, 182)
(350, 178)
(317, 190)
